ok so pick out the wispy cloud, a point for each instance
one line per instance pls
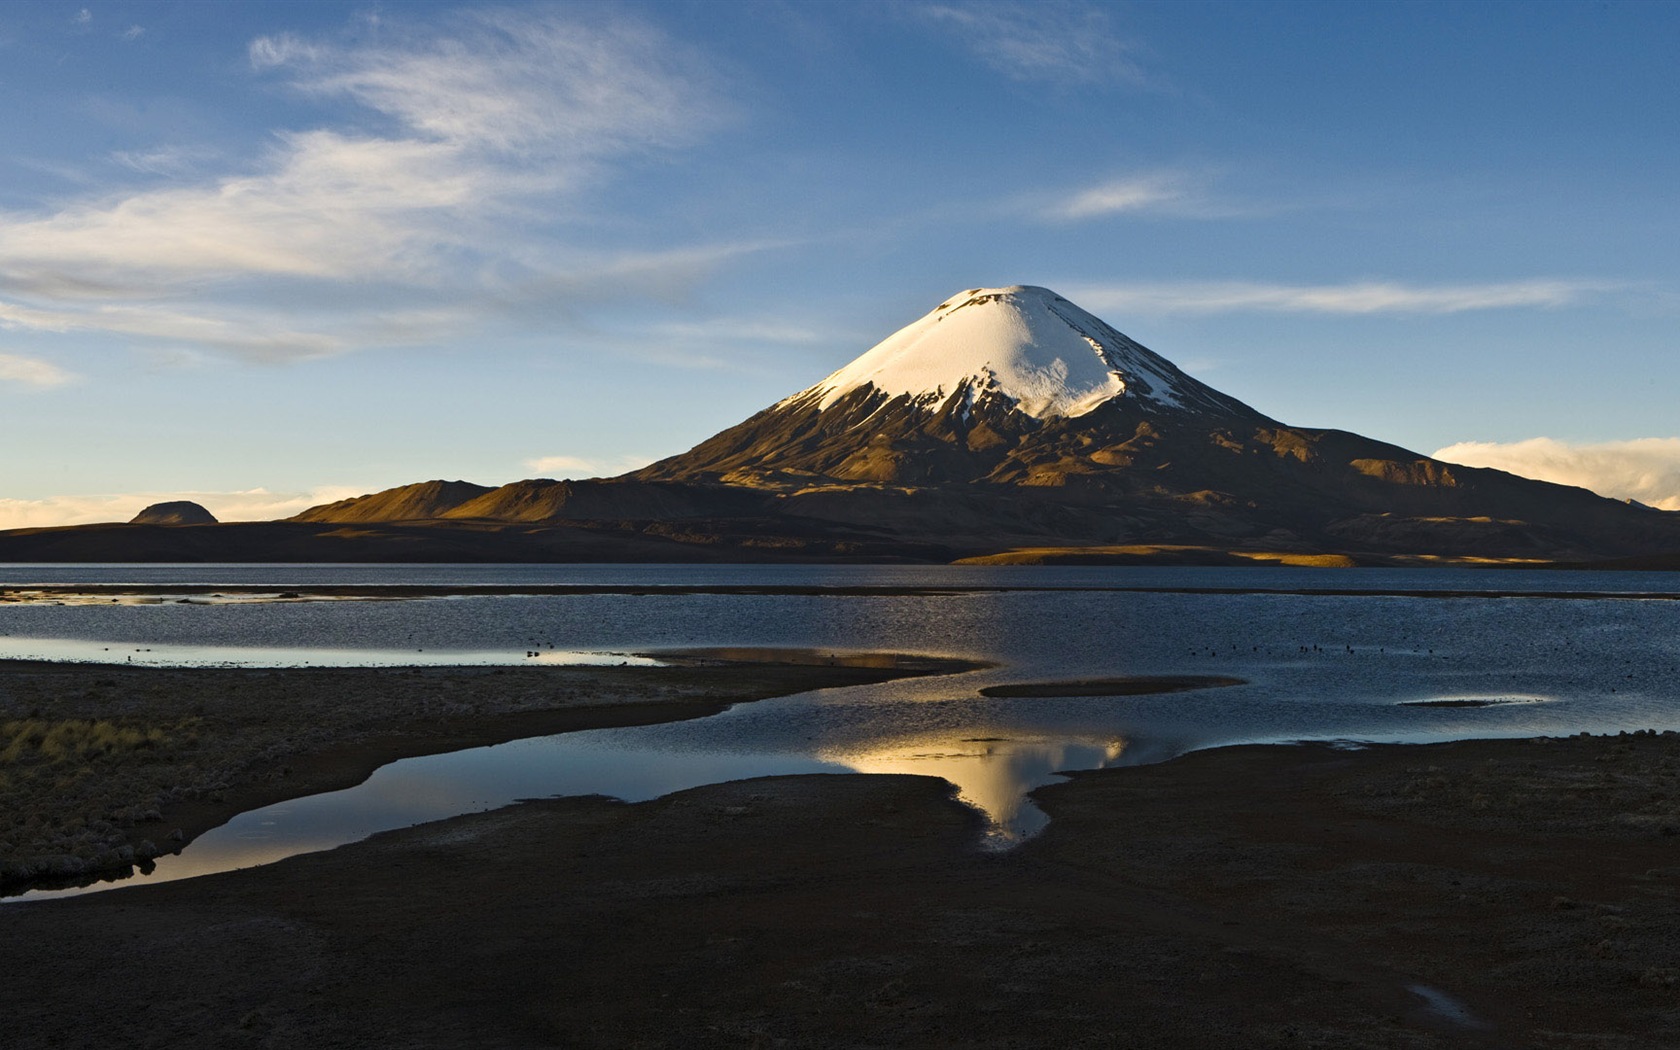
(531, 86)
(1054, 41)
(485, 117)
(1177, 194)
(30, 372)
(1367, 297)
(133, 33)
(726, 330)
(249, 505)
(255, 336)
(1644, 469)
(1134, 194)
(173, 160)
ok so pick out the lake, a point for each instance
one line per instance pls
(1462, 653)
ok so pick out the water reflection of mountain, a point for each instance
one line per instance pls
(991, 774)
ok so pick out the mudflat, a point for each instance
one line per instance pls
(104, 766)
(1478, 894)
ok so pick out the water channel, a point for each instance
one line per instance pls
(1340, 655)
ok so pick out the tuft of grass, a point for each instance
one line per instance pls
(37, 740)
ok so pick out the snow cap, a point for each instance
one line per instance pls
(1024, 342)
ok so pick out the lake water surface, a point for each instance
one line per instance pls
(1367, 666)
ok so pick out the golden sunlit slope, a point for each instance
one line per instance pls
(417, 502)
(594, 500)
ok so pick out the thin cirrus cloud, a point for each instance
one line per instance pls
(248, 505)
(1367, 297)
(487, 116)
(169, 160)
(1176, 194)
(728, 330)
(1052, 41)
(1146, 193)
(33, 373)
(1643, 469)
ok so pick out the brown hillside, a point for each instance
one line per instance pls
(417, 502)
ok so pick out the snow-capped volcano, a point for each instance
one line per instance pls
(1025, 343)
(1013, 385)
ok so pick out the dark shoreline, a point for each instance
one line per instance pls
(241, 738)
(12, 592)
(1252, 895)
(1493, 893)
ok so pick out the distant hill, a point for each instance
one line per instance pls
(177, 512)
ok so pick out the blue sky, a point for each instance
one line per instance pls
(264, 254)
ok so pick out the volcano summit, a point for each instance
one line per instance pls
(1007, 424)
(1026, 344)
(992, 385)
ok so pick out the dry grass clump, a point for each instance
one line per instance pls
(40, 740)
(70, 788)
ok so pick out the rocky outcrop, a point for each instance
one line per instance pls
(175, 512)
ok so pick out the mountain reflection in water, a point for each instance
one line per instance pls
(993, 775)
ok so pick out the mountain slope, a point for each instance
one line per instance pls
(996, 384)
(1009, 415)
(596, 500)
(420, 501)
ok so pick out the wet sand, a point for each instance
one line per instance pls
(1476, 894)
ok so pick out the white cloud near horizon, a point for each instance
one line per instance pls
(485, 123)
(576, 467)
(249, 505)
(32, 372)
(1643, 469)
(1052, 41)
(1366, 297)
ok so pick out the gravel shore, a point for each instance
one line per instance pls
(1475, 894)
